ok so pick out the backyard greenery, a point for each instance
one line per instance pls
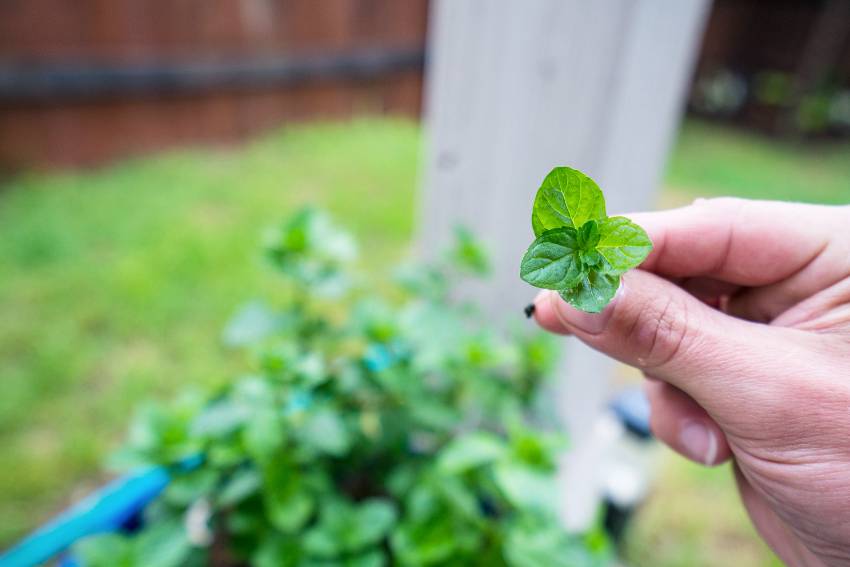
(115, 285)
(711, 160)
(368, 432)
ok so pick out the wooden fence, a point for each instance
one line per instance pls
(86, 81)
(782, 67)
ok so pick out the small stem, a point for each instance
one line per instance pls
(529, 310)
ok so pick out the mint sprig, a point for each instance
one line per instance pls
(579, 250)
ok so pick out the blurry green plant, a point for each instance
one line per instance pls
(371, 432)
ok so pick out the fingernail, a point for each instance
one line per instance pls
(542, 295)
(699, 442)
(591, 323)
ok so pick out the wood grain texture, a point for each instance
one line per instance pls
(67, 132)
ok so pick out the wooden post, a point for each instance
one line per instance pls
(515, 88)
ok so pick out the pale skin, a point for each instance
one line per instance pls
(740, 318)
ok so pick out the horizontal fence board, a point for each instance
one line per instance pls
(134, 30)
(83, 82)
(64, 81)
(93, 132)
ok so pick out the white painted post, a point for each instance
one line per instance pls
(517, 87)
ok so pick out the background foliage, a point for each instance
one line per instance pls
(101, 308)
(369, 432)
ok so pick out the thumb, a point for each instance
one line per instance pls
(720, 361)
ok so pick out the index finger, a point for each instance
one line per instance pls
(748, 243)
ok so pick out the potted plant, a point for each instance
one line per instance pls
(381, 425)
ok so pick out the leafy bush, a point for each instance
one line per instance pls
(372, 431)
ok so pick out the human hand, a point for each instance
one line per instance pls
(740, 317)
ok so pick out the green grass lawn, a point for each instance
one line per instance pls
(114, 286)
(714, 160)
(694, 518)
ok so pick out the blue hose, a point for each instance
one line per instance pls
(106, 510)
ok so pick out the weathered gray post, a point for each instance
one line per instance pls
(517, 87)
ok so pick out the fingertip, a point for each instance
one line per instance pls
(679, 422)
(556, 315)
(699, 440)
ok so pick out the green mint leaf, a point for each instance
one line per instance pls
(470, 451)
(593, 291)
(525, 487)
(567, 198)
(552, 261)
(579, 251)
(622, 243)
(588, 236)
(590, 259)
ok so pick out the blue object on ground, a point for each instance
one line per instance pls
(68, 561)
(632, 409)
(107, 510)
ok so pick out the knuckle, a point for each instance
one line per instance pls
(661, 333)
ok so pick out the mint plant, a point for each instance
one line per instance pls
(378, 425)
(579, 250)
